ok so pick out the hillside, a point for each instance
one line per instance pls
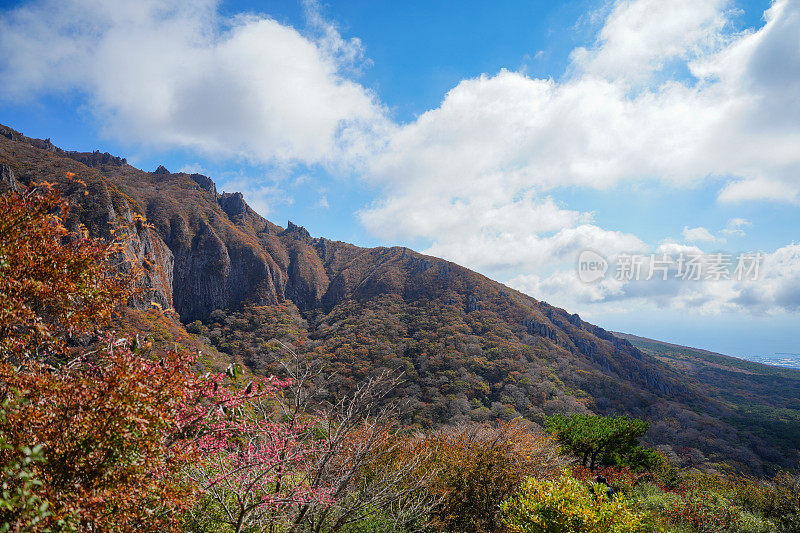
(766, 398)
(470, 348)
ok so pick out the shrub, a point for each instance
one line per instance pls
(21, 506)
(753, 523)
(253, 466)
(104, 425)
(478, 466)
(705, 512)
(567, 504)
(777, 499)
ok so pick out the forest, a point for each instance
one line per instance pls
(114, 419)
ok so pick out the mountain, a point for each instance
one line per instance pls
(766, 398)
(469, 347)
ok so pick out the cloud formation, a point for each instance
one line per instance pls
(773, 287)
(698, 234)
(179, 74)
(475, 175)
(735, 227)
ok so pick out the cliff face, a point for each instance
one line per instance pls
(470, 345)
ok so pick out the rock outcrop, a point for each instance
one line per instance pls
(7, 180)
(96, 159)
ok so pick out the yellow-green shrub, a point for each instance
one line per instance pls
(478, 466)
(567, 504)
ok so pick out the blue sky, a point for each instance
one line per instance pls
(507, 138)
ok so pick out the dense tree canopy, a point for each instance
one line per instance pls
(602, 441)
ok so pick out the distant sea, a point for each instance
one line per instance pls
(788, 360)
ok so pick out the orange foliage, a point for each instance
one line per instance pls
(105, 423)
(478, 466)
(54, 283)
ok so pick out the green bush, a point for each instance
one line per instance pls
(653, 500)
(604, 441)
(567, 504)
(21, 507)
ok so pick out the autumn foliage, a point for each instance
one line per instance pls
(104, 423)
(55, 283)
(480, 465)
(114, 429)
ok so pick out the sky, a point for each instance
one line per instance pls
(655, 142)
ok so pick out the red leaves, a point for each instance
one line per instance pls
(54, 283)
(104, 422)
(119, 430)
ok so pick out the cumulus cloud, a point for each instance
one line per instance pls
(475, 176)
(180, 74)
(478, 176)
(595, 129)
(698, 234)
(639, 37)
(755, 282)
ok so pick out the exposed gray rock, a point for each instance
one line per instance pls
(420, 264)
(297, 232)
(234, 206)
(586, 347)
(161, 170)
(8, 182)
(537, 328)
(96, 159)
(90, 159)
(205, 183)
(473, 303)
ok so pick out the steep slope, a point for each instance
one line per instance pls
(765, 398)
(470, 348)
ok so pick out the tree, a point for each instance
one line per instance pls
(54, 283)
(89, 440)
(300, 463)
(254, 466)
(602, 441)
(21, 507)
(363, 460)
(106, 429)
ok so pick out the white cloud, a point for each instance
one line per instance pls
(594, 130)
(263, 195)
(193, 168)
(735, 227)
(180, 74)
(640, 36)
(773, 288)
(489, 229)
(698, 234)
(473, 175)
(476, 176)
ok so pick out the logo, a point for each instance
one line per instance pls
(592, 266)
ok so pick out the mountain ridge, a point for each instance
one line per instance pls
(471, 347)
